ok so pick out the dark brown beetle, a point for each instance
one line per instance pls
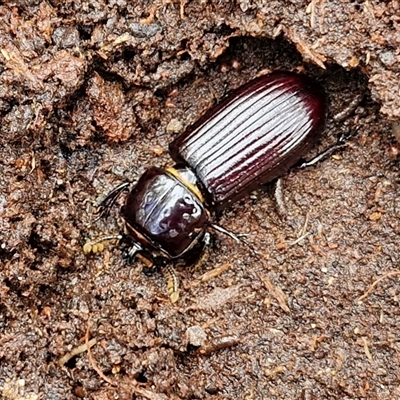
(252, 137)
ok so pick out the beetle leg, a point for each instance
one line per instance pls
(237, 237)
(97, 245)
(327, 152)
(132, 253)
(344, 137)
(206, 240)
(349, 109)
(103, 208)
(172, 284)
(341, 142)
(279, 201)
(204, 252)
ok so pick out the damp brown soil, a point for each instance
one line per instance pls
(91, 93)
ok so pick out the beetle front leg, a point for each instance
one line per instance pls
(105, 205)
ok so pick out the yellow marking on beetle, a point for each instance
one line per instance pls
(148, 263)
(193, 188)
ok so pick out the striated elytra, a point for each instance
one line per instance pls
(253, 136)
(250, 138)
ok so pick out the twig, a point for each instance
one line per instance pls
(91, 359)
(366, 350)
(220, 344)
(303, 230)
(77, 350)
(276, 292)
(149, 394)
(207, 276)
(298, 240)
(371, 288)
(182, 9)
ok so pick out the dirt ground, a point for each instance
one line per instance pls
(91, 93)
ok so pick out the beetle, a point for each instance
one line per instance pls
(247, 140)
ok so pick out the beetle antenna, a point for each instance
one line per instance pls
(97, 245)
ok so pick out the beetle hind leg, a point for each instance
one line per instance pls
(341, 142)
